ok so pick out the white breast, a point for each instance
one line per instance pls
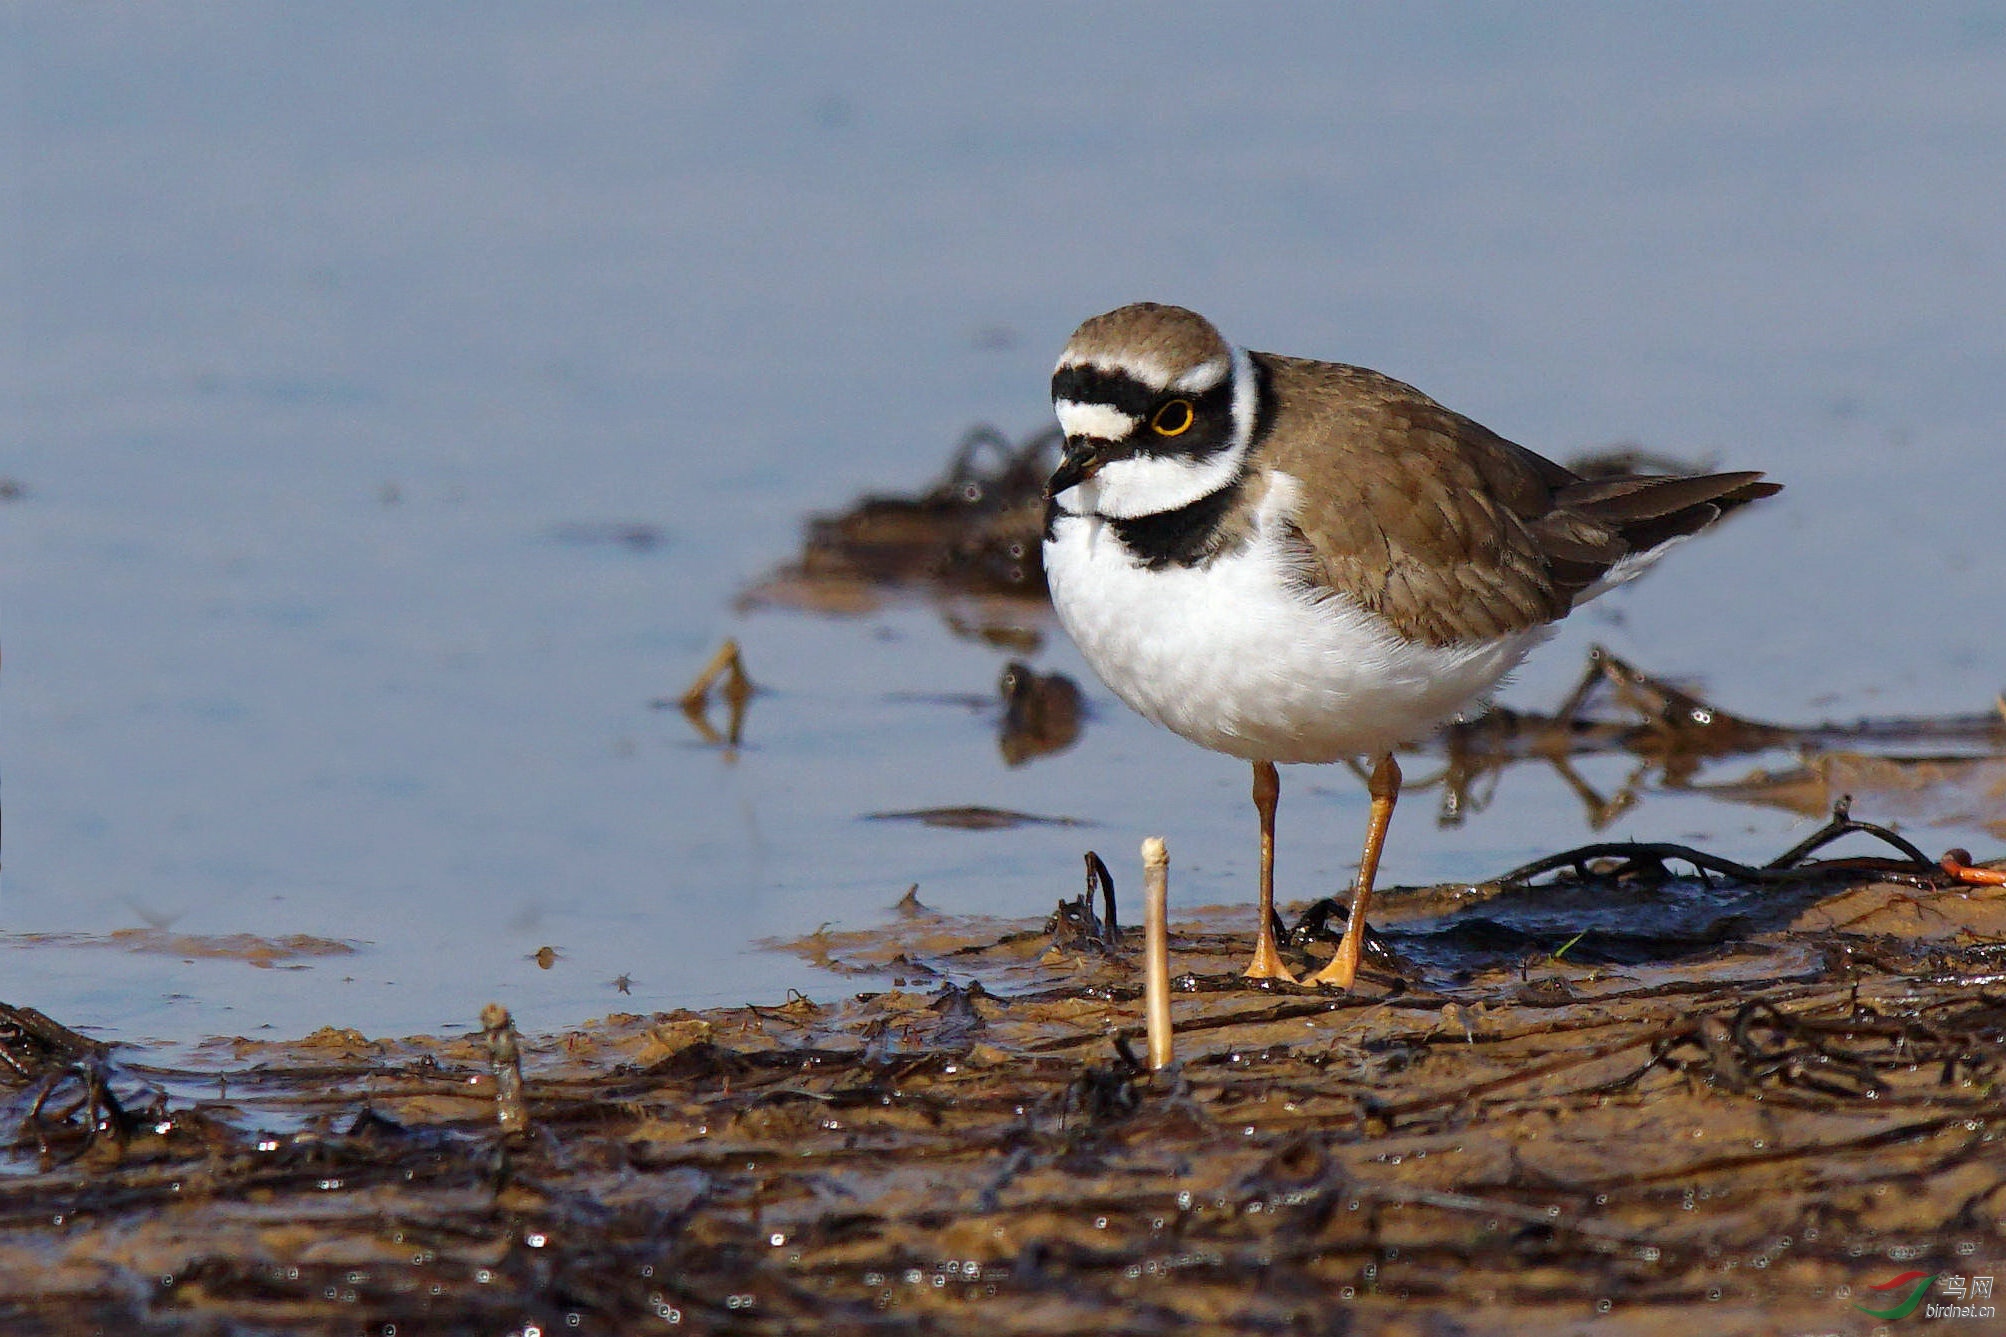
(1237, 657)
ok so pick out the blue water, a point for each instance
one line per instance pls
(327, 321)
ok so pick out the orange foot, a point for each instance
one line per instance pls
(1267, 962)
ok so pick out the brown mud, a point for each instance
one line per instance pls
(1791, 1093)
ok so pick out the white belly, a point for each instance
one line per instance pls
(1236, 658)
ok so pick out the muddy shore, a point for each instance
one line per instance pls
(1748, 1134)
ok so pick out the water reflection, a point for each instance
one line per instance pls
(1041, 713)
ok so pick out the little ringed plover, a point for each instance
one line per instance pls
(1297, 561)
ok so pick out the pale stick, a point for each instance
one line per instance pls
(1156, 948)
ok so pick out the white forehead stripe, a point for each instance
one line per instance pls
(1147, 370)
(1101, 421)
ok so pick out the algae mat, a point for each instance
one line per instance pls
(1746, 1134)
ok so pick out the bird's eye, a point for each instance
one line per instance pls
(1174, 418)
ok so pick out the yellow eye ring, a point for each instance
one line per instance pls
(1174, 418)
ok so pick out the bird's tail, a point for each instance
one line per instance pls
(1604, 531)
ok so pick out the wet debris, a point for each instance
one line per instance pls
(726, 666)
(1074, 926)
(32, 1044)
(1632, 861)
(70, 1113)
(976, 530)
(1041, 713)
(1941, 1057)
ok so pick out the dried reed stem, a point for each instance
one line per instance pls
(1156, 948)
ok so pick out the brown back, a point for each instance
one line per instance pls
(1446, 529)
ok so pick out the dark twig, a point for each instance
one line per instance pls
(1787, 868)
(1097, 873)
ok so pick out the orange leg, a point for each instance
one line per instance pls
(1267, 964)
(1385, 790)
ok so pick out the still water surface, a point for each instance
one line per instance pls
(341, 336)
